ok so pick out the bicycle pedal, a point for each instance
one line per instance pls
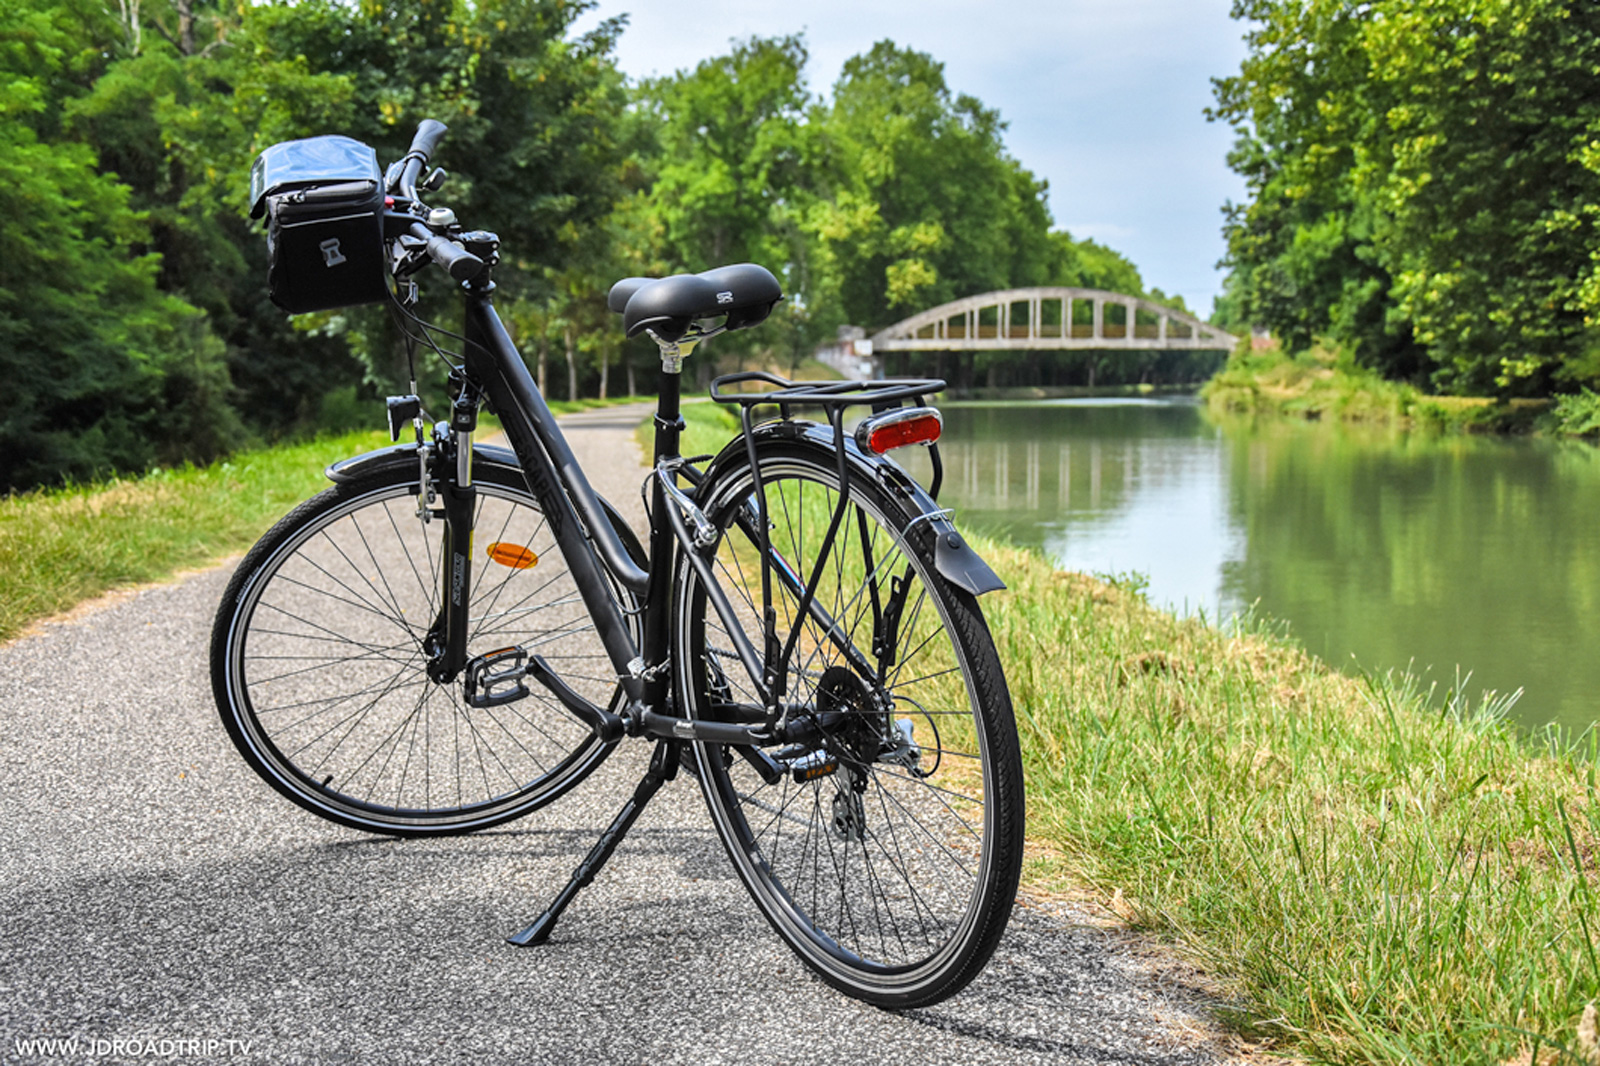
(488, 674)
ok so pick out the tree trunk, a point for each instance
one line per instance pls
(572, 367)
(130, 20)
(605, 368)
(185, 9)
(627, 362)
(544, 358)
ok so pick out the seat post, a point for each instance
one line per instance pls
(669, 422)
(669, 429)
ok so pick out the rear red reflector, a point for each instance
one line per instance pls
(896, 429)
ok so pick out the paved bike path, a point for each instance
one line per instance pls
(159, 903)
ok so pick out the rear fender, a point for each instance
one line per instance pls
(929, 528)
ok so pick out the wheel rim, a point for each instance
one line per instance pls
(883, 887)
(328, 672)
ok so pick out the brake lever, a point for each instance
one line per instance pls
(410, 256)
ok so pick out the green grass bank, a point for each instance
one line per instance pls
(1375, 873)
(1328, 386)
(59, 547)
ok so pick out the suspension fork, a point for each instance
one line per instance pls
(447, 638)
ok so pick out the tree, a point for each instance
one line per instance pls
(1424, 187)
(103, 371)
(928, 205)
(1089, 265)
(733, 154)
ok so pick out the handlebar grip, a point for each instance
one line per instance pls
(461, 264)
(429, 134)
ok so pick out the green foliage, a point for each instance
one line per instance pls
(1087, 264)
(134, 320)
(928, 206)
(735, 157)
(103, 369)
(1577, 414)
(1424, 186)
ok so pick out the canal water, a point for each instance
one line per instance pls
(1377, 549)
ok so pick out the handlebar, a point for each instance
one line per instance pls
(429, 133)
(461, 264)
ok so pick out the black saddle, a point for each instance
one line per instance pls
(745, 292)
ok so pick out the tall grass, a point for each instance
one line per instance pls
(1385, 874)
(61, 546)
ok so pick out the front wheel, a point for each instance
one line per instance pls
(321, 648)
(886, 846)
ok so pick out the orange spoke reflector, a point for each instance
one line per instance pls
(896, 429)
(513, 555)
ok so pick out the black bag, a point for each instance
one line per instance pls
(323, 200)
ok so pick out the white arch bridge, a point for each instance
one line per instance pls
(1056, 319)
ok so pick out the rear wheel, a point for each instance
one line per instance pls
(319, 661)
(886, 846)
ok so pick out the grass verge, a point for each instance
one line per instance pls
(59, 547)
(1384, 874)
(1321, 385)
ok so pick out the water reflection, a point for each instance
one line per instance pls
(1378, 549)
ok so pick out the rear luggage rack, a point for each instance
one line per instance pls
(828, 394)
(882, 395)
(887, 399)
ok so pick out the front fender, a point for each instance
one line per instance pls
(358, 466)
(483, 456)
(929, 528)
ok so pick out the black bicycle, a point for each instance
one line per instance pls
(454, 634)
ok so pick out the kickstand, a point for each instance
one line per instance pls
(663, 768)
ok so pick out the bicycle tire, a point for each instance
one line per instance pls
(321, 683)
(937, 842)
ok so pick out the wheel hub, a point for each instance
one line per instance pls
(852, 721)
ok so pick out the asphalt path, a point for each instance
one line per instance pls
(159, 903)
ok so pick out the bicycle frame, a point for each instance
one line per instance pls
(591, 546)
(594, 550)
(571, 508)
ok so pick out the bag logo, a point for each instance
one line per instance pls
(331, 256)
(724, 297)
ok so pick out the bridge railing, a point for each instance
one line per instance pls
(1052, 318)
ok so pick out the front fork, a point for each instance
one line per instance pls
(447, 638)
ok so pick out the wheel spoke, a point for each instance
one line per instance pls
(891, 876)
(327, 673)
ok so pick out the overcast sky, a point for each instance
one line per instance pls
(1104, 98)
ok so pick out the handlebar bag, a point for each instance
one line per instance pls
(323, 202)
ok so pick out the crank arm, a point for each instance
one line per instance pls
(606, 726)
